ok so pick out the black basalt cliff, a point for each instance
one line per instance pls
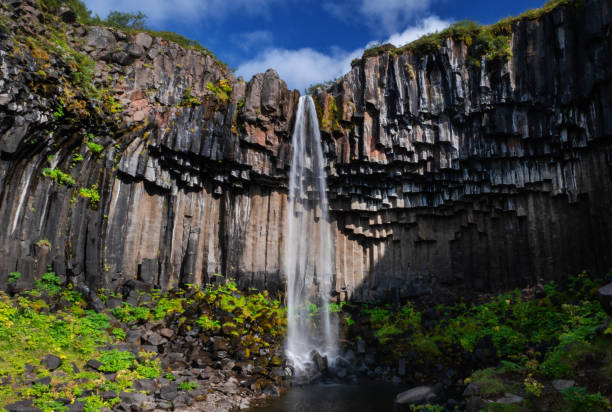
(443, 174)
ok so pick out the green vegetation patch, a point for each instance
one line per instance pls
(90, 193)
(490, 42)
(58, 176)
(222, 90)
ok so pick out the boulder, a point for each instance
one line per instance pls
(605, 297)
(562, 384)
(67, 15)
(22, 406)
(420, 394)
(51, 362)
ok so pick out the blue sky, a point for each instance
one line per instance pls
(306, 41)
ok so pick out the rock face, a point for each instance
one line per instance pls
(441, 174)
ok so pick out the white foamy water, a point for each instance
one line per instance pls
(309, 247)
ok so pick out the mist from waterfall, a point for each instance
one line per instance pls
(309, 248)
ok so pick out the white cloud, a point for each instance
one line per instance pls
(258, 38)
(391, 14)
(188, 10)
(384, 16)
(303, 67)
(299, 68)
(428, 25)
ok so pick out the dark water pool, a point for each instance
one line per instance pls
(358, 397)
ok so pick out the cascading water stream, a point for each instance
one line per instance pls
(309, 246)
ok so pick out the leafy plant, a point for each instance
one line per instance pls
(580, 400)
(49, 282)
(123, 20)
(222, 89)
(207, 323)
(187, 386)
(13, 277)
(532, 386)
(114, 360)
(189, 100)
(92, 194)
(58, 113)
(58, 176)
(118, 333)
(94, 147)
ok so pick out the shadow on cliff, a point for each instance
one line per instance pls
(501, 250)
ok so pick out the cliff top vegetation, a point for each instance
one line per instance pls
(128, 22)
(491, 42)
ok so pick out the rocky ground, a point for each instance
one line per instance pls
(215, 350)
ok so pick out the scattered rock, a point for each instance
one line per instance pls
(562, 384)
(22, 406)
(51, 362)
(94, 364)
(605, 297)
(420, 394)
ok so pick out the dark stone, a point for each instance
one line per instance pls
(67, 15)
(76, 407)
(147, 385)
(51, 362)
(22, 406)
(271, 390)
(169, 392)
(319, 360)
(43, 381)
(420, 394)
(107, 395)
(605, 297)
(94, 364)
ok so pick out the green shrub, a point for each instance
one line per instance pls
(123, 20)
(222, 90)
(13, 277)
(580, 400)
(94, 147)
(92, 194)
(118, 333)
(130, 314)
(207, 323)
(188, 100)
(58, 176)
(49, 282)
(187, 386)
(115, 361)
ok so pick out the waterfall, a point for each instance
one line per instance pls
(309, 248)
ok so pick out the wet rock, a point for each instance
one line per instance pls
(420, 394)
(319, 361)
(562, 384)
(509, 398)
(605, 297)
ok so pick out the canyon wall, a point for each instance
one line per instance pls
(442, 175)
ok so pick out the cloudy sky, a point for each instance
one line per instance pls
(306, 41)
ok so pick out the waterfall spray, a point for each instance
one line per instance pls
(309, 246)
